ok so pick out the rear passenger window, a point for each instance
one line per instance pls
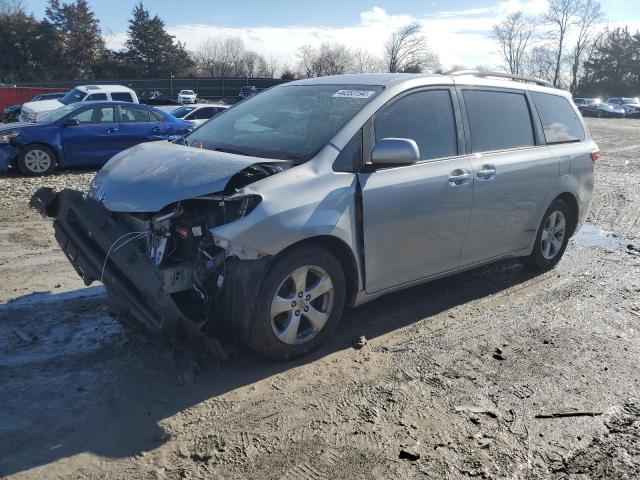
(121, 97)
(134, 115)
(559, 119)
(498, 120)
(204, 113)
(426, 117)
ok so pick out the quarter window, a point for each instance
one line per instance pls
(426, 117)
(559, 120)
(95, 116)
(498, 120)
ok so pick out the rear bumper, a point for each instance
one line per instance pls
(86, 231)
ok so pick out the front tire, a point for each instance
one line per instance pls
(36, 160)
(299, 304)
(552, 237)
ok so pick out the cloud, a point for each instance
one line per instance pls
(459, 37)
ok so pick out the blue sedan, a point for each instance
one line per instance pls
(84, 134)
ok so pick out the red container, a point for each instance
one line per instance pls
(15, 95)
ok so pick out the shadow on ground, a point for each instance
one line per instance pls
(107, 394)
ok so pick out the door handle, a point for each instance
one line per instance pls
(112, 130)
(486, 172)
(459, 177)
(156, 130)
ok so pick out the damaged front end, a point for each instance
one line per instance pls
(166, 273)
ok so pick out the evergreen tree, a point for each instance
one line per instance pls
(613, 68)
(152, 48)
(81, 37)
(30, 48)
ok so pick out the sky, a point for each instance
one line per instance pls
(458, 30)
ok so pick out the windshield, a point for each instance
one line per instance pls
(289, 122)
(73, 96)
(57, 114)
(182, 111)
(186, 92)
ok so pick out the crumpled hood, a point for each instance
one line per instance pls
(150, 176)
(42, 106)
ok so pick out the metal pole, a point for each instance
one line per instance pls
(172, 85)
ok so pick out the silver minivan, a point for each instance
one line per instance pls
(265, 222)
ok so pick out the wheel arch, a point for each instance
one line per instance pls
(53, 148)
(343, 253)
(572, 202)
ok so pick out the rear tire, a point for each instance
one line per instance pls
(299, 305)
(552, 237)
(36, 160)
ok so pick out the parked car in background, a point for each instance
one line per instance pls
(199, 112)
(187, 96)
(248, 91)
(12, 112)
(84, 134)
(603, 110)
(581, 102)
(630, 105)
(325, 192)
(32, 111)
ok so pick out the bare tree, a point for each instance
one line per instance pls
(9, 8)
(327, 59)
(273, 65)
(514, 35)
(561, 15)
(306, 55)
(540, 62)
(365, 62)
(589, 14)
(221, 57)
(407, 50)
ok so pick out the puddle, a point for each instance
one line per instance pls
(594, 236)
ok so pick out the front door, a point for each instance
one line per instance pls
(512, 173)
(92, 141)
(415, 217)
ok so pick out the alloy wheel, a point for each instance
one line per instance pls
(302, 305)
(553, 233)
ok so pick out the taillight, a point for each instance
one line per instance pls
(595, 156)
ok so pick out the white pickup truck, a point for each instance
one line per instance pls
(32, 111)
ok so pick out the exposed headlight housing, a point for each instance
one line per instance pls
(7, 137)
(32, 116)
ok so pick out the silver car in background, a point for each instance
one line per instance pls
(266, 221)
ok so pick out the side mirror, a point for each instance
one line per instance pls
(71, 122)
(395, 151)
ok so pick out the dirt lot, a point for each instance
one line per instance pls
(473, 374)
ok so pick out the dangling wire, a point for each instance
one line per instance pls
(136, 237)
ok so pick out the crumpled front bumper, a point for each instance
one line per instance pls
(86, 231)
(7, 155)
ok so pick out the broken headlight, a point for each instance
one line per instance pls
(7, 137)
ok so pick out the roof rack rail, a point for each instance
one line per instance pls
(510, 76)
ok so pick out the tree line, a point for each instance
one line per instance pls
(568, 47)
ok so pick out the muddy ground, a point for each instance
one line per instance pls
(469, 376)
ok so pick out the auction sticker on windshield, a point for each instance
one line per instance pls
(353, 93)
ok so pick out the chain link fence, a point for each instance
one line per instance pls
(224, 89)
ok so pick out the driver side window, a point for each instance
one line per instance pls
(427, 117)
